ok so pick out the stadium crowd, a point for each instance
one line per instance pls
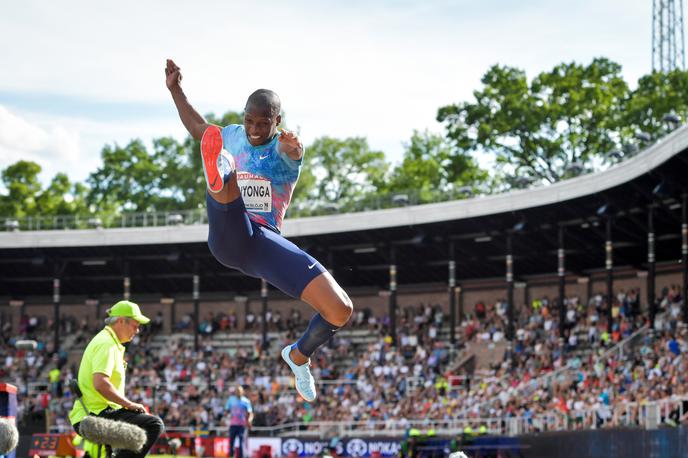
(372, 380)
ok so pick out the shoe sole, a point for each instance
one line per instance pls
(285, 356)
(211, 145)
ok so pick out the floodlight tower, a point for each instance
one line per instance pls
(668, 41)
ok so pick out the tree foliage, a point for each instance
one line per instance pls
(62, 197)
(170, 177)
(561, 123)
(26, 197)
(432, 166)
(129, 178)
(657, 95)
(305, 187)
(22, 184)
(538, 130)
(345, 170)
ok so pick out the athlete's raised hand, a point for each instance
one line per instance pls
(290, 144)
(173, 75)
(194, 122)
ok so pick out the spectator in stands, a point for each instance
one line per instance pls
(480, 310)
(396, 385)
(251, 171)
(102, 377)
(240, 413)
(157, 323)
(250, 320)
(185, 323)
(232, 319)
(55, 377)
(207, 327)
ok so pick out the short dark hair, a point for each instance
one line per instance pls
(265, 99)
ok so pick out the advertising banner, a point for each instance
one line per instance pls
(349, 447)
(265, 445)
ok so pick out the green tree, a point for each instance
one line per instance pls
(182, 185)
(26, 197)
(431, 166)
(550, 129)
(62, 197)
(657, 95)
(21, 181)
(345, 170)
(305, 187)
(129, 179)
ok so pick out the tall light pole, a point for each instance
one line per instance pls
(668, 38)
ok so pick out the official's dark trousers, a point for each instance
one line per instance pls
(151, 424)
(234, 432)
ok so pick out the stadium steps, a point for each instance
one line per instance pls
(220, 341)
(73, 355)
(74, 344)
(487, 354)
(465, 364)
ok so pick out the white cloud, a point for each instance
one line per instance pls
(52, 146)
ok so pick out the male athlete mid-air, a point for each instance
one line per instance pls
(251, 171)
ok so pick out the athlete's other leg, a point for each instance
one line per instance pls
(228, 223)
(222, 186)
(334, 308)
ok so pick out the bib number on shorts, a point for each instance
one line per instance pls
(256, 192)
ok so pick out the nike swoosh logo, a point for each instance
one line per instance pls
(312, 265)
(262, 157)
(214, 181)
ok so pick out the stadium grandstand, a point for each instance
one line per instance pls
(489, 323)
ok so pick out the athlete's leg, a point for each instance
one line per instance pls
(229, 228)
(300, 275)
(229, 193)
(220, 180)
(334, 310)
(230, 233)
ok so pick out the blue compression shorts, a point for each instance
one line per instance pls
(257, 251)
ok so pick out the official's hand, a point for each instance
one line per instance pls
(289, 143)
(173, 75)
(136, 407)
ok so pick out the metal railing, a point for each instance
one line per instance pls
(100, 221)
(646, 415)
(298, 209)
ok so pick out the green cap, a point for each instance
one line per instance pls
(129, 310)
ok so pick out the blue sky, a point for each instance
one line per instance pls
(77, 75)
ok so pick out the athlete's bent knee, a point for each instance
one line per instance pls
(341, 312)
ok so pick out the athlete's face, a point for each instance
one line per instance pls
(260, 125)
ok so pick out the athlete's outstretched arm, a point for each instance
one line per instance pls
(290, 145)
(192, 120)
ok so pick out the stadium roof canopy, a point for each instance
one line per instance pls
(359, 247)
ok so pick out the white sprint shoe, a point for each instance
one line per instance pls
(458, 455)
(303, 380)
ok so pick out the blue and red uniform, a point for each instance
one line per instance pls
(244, 234)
